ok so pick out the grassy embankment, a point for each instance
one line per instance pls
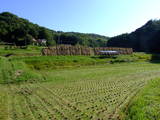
(146, 104)
(28, 68)
(30, 51)
(15, 72)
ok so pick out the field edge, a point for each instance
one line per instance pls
(138, 106)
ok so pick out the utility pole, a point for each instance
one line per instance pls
(59, 38)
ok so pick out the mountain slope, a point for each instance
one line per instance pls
(144, 39)
(19, 31)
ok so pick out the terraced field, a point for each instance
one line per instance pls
(95, 92)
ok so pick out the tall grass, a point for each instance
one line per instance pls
(15, 72)
(146, 105)
(20, 69)
(53, 62)
(30, 51)
(6, 71)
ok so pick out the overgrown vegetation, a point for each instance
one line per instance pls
(17, 69)
(29, 51)
(16, 72)
(145, 106)
(55, 62)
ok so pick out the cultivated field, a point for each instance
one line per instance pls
(96, 92)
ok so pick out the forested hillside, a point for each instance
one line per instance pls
(146, 38)
(19, 31)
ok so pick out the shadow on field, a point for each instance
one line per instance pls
(104, 57)
(155, 58)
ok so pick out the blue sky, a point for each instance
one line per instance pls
(105, 17)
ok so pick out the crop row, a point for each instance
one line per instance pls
(85, 99)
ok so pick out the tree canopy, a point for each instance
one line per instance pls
(145, 38)
(19, 31)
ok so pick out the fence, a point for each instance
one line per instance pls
(81, 50)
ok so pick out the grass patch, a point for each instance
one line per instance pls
(56, 62)
(135, 57)
(146, 105)
(30, 51)
(16, 71)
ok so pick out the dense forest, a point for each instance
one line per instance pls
(20, 32)
(145, 38)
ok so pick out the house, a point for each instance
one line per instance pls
(42, 42)
(39, 42)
